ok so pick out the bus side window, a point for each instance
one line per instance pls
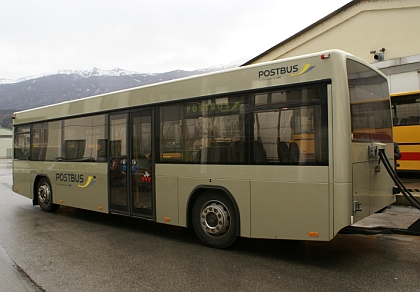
(22, 143)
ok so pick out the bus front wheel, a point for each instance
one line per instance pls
(214, 219)
(44, 196)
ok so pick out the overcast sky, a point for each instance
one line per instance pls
(45, 36)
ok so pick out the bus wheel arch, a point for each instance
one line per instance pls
(43, 194)
(35, 190)
(214, 216)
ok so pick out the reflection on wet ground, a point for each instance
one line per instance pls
(5, 163)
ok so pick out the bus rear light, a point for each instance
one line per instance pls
(325, 56)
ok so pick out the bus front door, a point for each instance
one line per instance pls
(130, 168)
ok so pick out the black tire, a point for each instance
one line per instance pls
(214, 219)
(45, 196)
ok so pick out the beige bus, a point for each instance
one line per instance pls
(278, 150)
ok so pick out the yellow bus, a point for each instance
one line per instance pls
(278, 150)
(406, 120)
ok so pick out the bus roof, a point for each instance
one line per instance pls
(269, 74)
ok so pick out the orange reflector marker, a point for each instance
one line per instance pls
(167, 219)
(61, 201)
(100, 208)
(313, 234)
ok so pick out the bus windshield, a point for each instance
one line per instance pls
(369, 104)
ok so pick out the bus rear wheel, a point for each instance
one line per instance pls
(214, 219)
(44, 196)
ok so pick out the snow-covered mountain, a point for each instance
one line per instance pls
(82, 73)
(65, 85)
(118, 72)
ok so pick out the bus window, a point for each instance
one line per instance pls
(39, 141)
(22, 143)
(205, 131)
(46, 141)
(406, 109)
(84, 139)
(406, 121)
(74, 149)
(170, 133)
(369, 104)
(291, 130)
(289, 136)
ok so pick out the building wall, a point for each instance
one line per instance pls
(364, 26)
(360, 28)
(6, 144)
(403, 74)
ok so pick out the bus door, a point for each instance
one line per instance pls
(130, 167)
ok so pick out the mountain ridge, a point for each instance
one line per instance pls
(95, 71)
(66, 85)
(70, 85)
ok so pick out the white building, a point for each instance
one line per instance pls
(382, 32)
(6, 143)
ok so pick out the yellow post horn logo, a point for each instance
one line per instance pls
(305, 69)
(90, 181)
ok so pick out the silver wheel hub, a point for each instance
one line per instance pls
(44, 194)
(215, 219)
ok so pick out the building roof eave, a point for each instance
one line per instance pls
(339, 10)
